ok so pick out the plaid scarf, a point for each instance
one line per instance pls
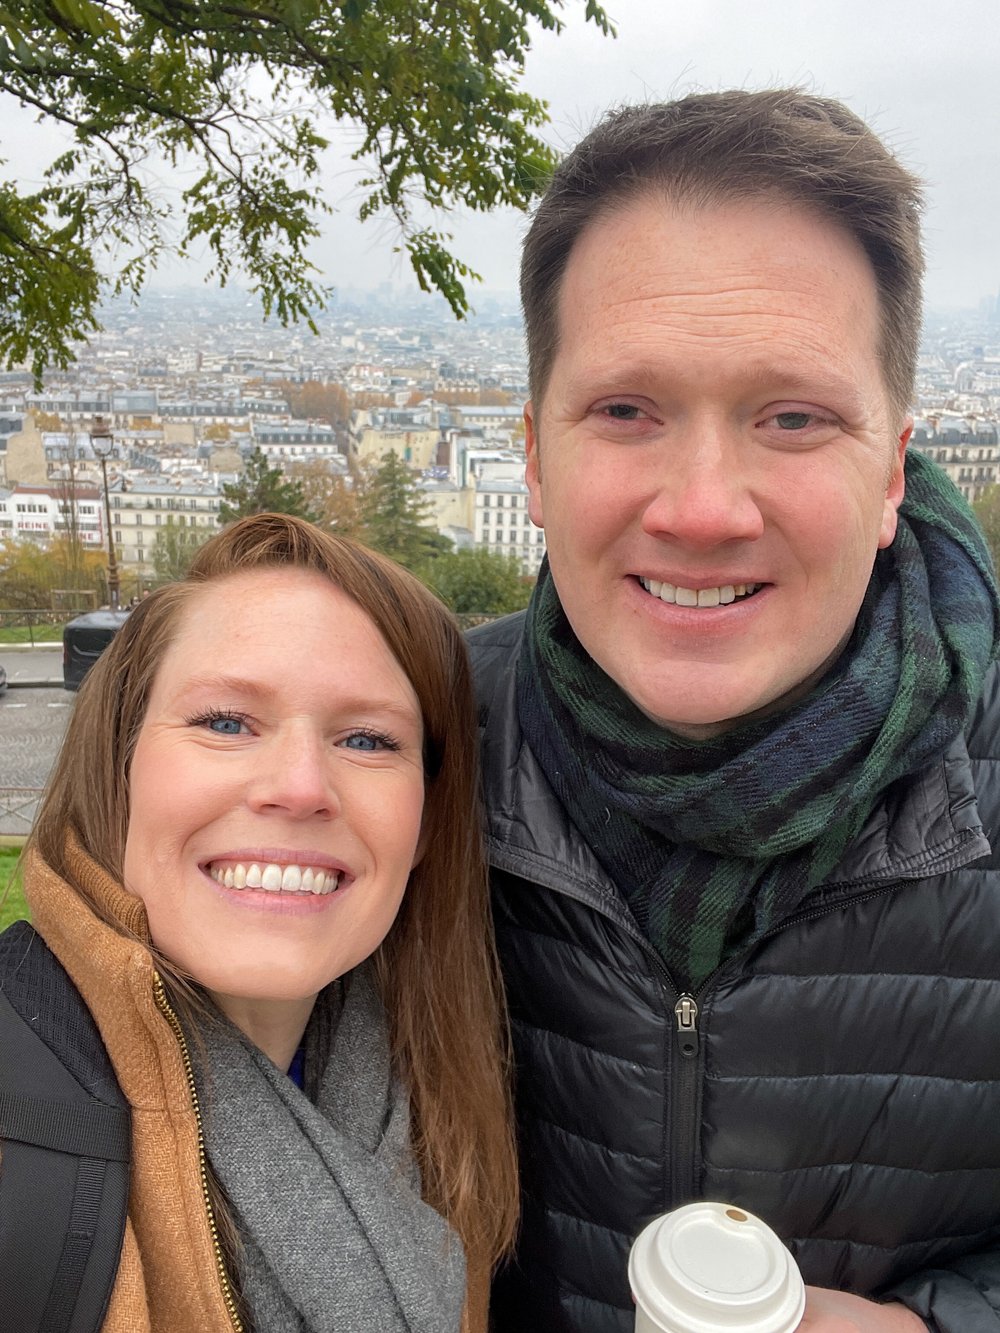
(712, 842)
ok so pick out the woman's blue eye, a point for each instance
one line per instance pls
(225, 726)
(369, 740)
(622, 411)
(362, 740)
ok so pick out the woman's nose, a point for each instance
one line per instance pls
(295, 777)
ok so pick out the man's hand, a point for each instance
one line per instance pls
(839, 1312)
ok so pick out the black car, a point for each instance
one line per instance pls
(84, 639)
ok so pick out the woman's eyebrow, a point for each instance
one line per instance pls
(230, 684)
(257, 689)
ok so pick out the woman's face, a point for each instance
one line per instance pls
(276, 790)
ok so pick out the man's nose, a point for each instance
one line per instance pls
(703, 494)
(295, 777)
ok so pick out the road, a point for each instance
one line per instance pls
(32, 663)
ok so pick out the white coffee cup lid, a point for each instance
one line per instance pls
(709, 1267)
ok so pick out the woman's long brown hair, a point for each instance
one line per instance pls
(437, 966)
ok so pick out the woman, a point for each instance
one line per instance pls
(258, 860)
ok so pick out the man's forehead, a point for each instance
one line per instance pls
(723, 273)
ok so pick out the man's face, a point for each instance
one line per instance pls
(715, 460)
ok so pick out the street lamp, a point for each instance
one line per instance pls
(102, 441)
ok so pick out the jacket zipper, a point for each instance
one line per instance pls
(685, 1069)
(163, 1004)
(684, 1063)
(682, 1048)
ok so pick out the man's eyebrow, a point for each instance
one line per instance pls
(822, 381)
(642, 376)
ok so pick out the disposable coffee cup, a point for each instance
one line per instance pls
(711, 1268)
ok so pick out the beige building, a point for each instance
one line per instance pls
(26, 463)
(450, 506)
(417, 447)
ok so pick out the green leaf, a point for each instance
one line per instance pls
(247, 96)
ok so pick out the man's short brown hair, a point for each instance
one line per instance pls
(709, 148)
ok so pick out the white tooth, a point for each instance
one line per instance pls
(291, 879)
(215, 873)
(229, 877)
(271, 878)
(708, 597)
(307, 880)
(239, 876)
(727, 594)
(654, 586)
(253, 876)
(687, 597)
(319, 882)
(668, 593)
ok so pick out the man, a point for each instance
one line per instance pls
(739, 754)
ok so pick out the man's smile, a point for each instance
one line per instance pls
(676, 595)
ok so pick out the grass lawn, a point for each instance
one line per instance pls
(32, 634)
(12, 905)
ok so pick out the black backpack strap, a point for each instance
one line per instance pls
(65, 1145)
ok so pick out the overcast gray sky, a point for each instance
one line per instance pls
(927, 77)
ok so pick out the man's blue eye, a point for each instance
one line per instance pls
(622, 411)
(793, 420)
(225, 726)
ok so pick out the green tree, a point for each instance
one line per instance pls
(987, 511)
(478, 582)
(395, 515)
(244, 94)
(262, 490)
(174, 548)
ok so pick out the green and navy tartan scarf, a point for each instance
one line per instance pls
(712, 842)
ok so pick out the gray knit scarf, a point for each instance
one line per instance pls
(326, 1196)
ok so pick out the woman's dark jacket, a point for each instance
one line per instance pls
(841, 1079)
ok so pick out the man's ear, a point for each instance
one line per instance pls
(533, 467)
(896, 488)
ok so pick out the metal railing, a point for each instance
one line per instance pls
(18, 806)
(42, 625)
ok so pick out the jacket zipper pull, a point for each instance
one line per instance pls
(686, 1013)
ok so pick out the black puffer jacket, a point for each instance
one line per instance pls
(841, 1080)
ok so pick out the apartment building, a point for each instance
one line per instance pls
(141, 506)
(502, 522)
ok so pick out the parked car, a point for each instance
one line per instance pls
(84, 639)
(3, 680)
